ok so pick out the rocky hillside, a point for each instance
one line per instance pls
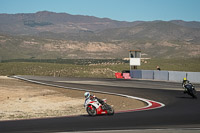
(33, 23)
(61, 35)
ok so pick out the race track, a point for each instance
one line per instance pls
(180, 110)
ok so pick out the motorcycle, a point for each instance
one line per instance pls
(190, 89)
(94, 108)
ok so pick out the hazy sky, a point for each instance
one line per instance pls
(123, 10)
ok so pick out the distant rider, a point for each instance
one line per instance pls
(89, 97)
(184, 83)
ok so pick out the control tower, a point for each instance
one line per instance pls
(135, 58)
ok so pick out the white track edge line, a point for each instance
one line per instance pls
(72, 88)
(136, 130)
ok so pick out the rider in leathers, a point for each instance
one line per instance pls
(89, 97)
(184, 83)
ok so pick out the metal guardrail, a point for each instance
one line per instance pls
(176, 76)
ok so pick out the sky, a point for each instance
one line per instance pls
(122, 10)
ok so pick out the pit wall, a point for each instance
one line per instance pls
(175, 76)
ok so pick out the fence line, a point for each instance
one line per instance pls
(176, 76)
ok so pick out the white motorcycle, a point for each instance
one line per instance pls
(93, 108)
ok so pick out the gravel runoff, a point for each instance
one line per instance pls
(23, 100)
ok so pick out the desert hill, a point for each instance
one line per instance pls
(60, 35)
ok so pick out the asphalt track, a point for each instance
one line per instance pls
(180, 110)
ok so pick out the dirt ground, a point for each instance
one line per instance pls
(24, 100)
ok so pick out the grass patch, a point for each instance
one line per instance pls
(105, 70)
(189, 65)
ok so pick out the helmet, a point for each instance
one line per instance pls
(184, 78)
(87, 94)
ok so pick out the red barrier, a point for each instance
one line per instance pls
(118, 75)
(126, 76)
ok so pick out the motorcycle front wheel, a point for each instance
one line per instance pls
(91, 110)
(110, 110)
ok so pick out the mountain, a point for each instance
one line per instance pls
(156, 30)
(44, 21)
(192, 24)
(61, 35)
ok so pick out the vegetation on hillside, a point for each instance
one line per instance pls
(49, 35)
(96, 70)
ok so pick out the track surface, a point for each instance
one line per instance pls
(180, 110)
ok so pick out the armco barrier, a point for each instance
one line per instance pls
(161, 75)
(142, 74)
(193, 77)
(175, 76)
(136, 74)
(147, 74)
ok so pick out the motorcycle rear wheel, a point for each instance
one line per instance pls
(192, 92)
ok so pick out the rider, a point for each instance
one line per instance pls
(185, 82)
(89, 97)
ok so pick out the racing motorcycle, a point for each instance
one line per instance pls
(94, 108)
(190, 89)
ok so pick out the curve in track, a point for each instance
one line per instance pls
(180, 111)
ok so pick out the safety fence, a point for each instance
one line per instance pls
(176, 76)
